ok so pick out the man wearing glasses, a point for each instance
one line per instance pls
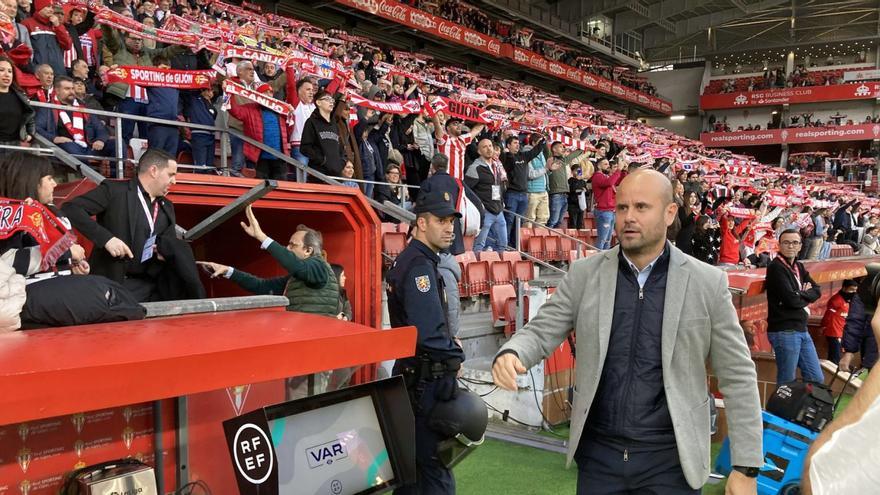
(790, 289)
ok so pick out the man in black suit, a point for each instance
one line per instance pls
(133, 232)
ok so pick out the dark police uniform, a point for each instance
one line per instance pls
(416, 297)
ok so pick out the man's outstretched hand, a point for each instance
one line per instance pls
(505, 369)
(252, 228)
(215, 269)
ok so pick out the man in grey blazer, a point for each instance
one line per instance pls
(646, 320)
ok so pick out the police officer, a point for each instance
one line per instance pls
(416, 297)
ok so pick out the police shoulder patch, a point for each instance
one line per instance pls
(423, 283)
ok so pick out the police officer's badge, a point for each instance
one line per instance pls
(423, 283)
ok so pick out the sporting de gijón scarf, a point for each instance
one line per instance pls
(37, 221)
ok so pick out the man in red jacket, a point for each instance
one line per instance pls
(835, 317)
(49, 37)
(605, 182)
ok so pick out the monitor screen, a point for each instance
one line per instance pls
(337, 448)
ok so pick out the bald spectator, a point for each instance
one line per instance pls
(484, 178)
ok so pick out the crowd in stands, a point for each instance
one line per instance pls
(508, 32)
(372, 117)
(777, 79)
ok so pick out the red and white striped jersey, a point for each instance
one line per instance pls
(454, 148)
(138, 93)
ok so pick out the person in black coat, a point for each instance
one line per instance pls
(134, 232)
(320, 139)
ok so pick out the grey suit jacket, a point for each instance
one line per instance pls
(699, 323)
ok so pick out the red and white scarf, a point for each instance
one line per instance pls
(74, 124)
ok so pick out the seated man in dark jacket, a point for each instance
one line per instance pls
(74, 132)
(310, 284)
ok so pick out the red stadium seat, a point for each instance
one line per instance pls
(489, 256)
(512, 256)
(389, 227)
(477, 273)
(524, 270)
(552, 247)
(498, 295)
(510, 314)
(393, 243)
(501, 272)
(535, 247)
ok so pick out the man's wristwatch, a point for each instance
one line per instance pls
(751, 472)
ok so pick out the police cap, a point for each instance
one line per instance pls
(437, 203)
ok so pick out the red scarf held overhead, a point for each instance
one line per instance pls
(38, 222)
(277, 106)
(162, 78)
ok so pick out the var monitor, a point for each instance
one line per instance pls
(359, 440)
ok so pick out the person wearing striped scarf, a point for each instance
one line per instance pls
(75, 132)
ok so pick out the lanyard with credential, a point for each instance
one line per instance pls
(150, 220)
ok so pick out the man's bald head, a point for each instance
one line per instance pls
(485, 149)
(645, 209)
(651, 181)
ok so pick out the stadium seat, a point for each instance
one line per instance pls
(498, 295)
(393, 243)
(510, 314)
(489, 256)
(477, 274)
(535, 247)
(501, 272)
(389, 227)
(552, 247)
(512, 256)
(524, 270)
(469, 242)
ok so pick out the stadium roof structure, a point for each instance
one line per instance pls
(672, 30)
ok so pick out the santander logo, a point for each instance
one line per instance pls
(450, 30)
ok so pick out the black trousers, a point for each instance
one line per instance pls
(433, 478)
(271, 169)
(603, 470)
(833, 349)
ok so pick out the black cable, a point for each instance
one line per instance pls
(540, 409)
(505, 416)
(188, 489)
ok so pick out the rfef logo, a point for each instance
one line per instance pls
(253, 453)
(326, 453)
